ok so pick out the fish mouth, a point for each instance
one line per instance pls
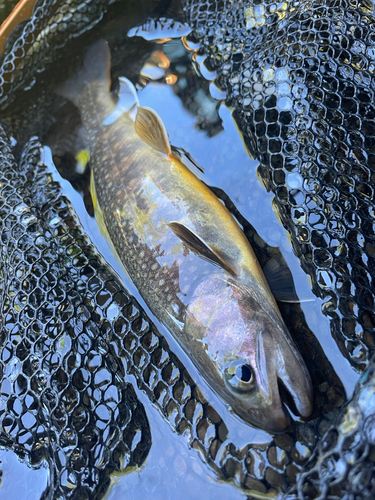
(294, 382)
(274, 421)
(284, 380)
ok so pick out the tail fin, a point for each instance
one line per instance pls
(97, 65)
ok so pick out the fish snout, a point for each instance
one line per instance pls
(278, 421)
(271, 414)
(280, 364)
(295, 378)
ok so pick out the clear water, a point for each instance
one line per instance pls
(18, 481)
(172, 470)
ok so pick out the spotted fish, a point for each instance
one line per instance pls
(185, 252)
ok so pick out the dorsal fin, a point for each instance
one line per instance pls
(151, 129)
(197, 245)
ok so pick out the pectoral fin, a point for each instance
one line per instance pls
(197, 245)
(151, 130)
(281, 281)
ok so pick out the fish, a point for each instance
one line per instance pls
(185, 252)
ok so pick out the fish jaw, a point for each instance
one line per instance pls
(245, 355)
(293, 374)
(277, 361)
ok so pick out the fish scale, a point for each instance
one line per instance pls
(301, 81)
(276, 465)
(160, 208)
(107, 151)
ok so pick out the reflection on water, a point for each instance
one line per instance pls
(18, 480)
(171, 469)
(204, 127)
(172, 84)
(228, 166)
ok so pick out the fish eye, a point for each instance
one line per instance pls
(240, 376)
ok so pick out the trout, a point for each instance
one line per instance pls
(186, 253)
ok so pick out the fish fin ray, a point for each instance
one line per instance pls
(127, 102)
(151, 130)
(189, 162)
(97, 65)
(281, 281)
(197, 245)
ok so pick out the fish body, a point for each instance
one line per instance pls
(185, 252)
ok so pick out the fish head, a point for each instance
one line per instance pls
(247, 354)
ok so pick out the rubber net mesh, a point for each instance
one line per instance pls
(300, 77)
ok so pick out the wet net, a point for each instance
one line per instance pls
(342, 465)
(36, 41)
(300, 80)
(64, 400)
(70, 334)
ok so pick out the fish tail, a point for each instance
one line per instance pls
(96, 67)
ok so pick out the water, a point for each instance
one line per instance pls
(227, 165)
(203, 126)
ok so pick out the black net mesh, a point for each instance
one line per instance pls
(64, 400)
(70, 334)
(298, 77)
(53, 24)
(342, 465)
